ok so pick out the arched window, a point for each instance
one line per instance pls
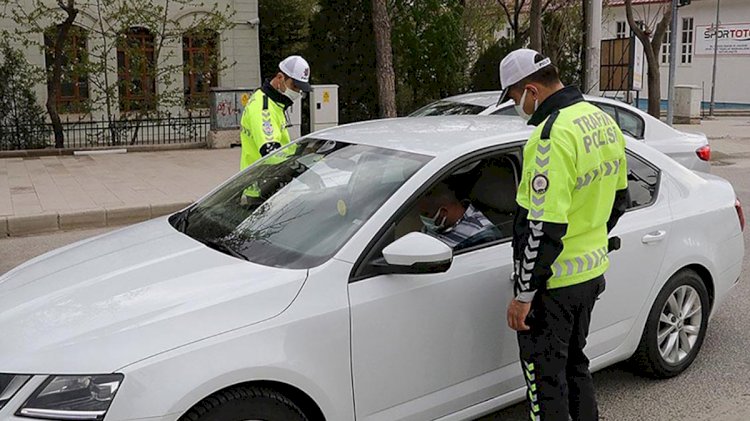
(74, 84)
(200, 57)
(136, 71)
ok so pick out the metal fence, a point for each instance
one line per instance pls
(89, 133)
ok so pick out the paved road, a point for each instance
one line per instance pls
(716, 387)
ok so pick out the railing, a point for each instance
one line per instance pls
(82, 133)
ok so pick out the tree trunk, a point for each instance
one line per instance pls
(384, 58)
(55, 80)
(535, 25)
(651, 46)
(654, 89)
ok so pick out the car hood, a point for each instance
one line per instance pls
(99, 305)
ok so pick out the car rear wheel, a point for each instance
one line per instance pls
(675, 327)
(245, 404)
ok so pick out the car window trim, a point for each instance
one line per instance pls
(658, 181)
(619, 109)
(447, 169)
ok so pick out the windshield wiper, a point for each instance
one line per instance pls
(224, 248)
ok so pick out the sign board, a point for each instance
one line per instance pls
(227, 106)
(734, 39)
(638, 60)
(621, 65)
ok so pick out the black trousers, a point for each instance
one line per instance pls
(554, 365)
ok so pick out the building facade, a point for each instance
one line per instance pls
(186, 53)
(695, 45)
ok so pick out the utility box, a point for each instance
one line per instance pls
(324, 107)
(294, 120)
(687, 106)
(227, 105)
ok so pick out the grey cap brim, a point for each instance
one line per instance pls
(503, 96)
(304, 86)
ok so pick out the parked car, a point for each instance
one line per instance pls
(317, 295)
(689, 149)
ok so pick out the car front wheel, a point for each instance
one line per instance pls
(245, 404)
(675, 328)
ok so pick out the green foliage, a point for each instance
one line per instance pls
(342, 51)
(284, 29)
(485, 76)
(430, 51)
(22, 124)
(563, 41)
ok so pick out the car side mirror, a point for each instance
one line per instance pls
(416, 253)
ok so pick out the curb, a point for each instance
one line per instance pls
(15, 226)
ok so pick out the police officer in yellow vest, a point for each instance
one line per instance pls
(573, 190)
(264, 124)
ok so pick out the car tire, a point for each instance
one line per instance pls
(666, 326)
(245, 404)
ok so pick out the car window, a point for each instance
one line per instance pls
(296, 207)
(439, 108)
(643, 182)
(510, 111)
(631, 123)
(472, 206)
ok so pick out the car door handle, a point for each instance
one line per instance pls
(654, 237)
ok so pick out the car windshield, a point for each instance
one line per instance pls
(448, 108)
(298, 206)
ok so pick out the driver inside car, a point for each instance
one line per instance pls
(455, 222)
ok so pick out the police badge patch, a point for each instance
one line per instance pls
(540, 183)
(267, 128)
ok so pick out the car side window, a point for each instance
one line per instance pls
(472, 206)
(631, 123)
(643, 182)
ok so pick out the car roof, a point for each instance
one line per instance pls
(430, 135)
(489, 98)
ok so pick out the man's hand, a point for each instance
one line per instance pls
(517, 312)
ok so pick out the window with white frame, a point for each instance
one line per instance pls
(686, 57)
(665, 47)
(622, 29)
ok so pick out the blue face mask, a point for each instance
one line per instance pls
(432, 224)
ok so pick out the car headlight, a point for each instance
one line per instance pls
(72, 397)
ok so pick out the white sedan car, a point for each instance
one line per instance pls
(305, 288)
(689, 149)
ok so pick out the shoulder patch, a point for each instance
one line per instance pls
(540, 183)
(267, 127)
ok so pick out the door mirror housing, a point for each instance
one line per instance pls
(416, 253)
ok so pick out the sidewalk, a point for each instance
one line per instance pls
(720, 128)
(40, 194)
(67, 192)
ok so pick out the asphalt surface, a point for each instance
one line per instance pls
(716, 387)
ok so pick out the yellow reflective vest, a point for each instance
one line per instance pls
(263, 125)
(572, 167)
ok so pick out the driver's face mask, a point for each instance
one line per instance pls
(432, 224)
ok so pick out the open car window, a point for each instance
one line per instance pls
(482, 192)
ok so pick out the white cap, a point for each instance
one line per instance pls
(297, 68)
(517, 66)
